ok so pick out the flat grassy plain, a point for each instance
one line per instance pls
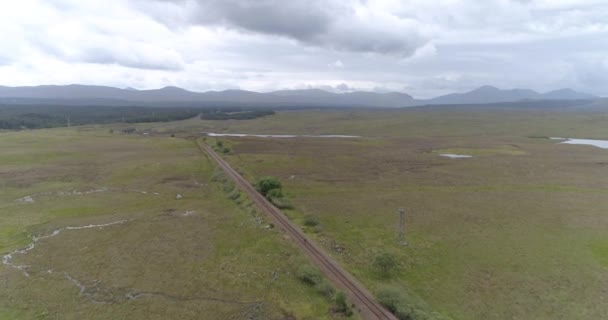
(519, 231)
(113, 240)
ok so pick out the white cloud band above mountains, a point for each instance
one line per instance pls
(423, 47)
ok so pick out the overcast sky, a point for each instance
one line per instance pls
(421, 47)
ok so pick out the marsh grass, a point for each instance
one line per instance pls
(201, 256)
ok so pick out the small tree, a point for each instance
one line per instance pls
(266, 184)
(385, 263)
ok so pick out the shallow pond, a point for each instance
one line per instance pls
(596, 143)
(455, 156)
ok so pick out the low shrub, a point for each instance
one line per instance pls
(282, 203)
(385, 263)
(274, 193)
(311, 221)
(325, 289)
(309, 275)
(404, 307)
(341, 304)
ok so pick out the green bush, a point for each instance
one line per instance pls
(234, 194)
(218, 176)
(404, 307)
(341, 304)
(266, 184)
(274, 193)
(396, 303)
(325, 289)
(311, 221)
(309, 275)
(282, 203)
(385, 263)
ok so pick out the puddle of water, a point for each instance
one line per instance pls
(590, 142)
(212, 134)
(455, 156)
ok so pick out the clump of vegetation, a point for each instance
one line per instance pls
(342, 305)
(309, 275)
(221, 147)
(313, 277)
(396, 303)
(268, 184)
(282, 203)
(325, 289)
(311, 221)
(405, 307)
(272, 189)
(385, 263)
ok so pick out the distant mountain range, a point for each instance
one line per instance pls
(100, 95)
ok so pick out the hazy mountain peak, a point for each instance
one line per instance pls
(567, 94)
(486, 88)
(301, 92)
(304, 97)
(173, 89)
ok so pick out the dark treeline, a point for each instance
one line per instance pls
(17, 117)
(234, 113)
(36, 117)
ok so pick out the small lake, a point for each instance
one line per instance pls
(455, 156)
(596, 143)
(212, 134)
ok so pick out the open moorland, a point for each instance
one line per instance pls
(100, 225)
(93, 227)
(517, 231)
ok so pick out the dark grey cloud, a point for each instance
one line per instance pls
(329, 24)
(294, 19)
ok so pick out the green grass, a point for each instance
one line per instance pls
(515, 232)
(201, 256)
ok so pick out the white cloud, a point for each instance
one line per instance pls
(430, 47)
(336, 64)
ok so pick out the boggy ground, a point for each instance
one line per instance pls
(92, 227)
(519, 231)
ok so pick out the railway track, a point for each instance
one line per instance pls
(364, 302)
